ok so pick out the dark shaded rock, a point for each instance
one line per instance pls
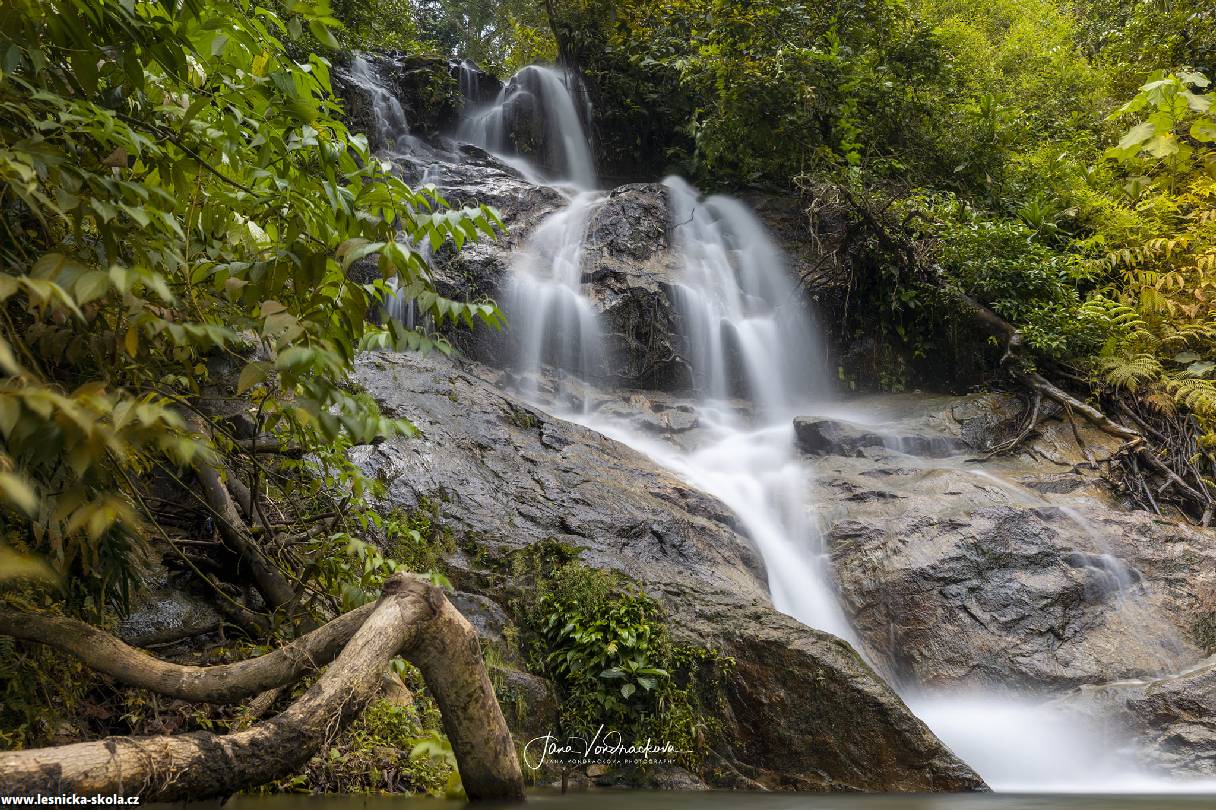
(830, 437)
(628, 263)
(527, 702)
(425, 86)
(488, 619)
(812, 238)
(806, 713)
(802, 709)
(476, 86)
(164, 612)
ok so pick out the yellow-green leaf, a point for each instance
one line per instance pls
(17, 492)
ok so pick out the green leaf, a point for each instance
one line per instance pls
(1204, 130)
(91, 286)
(1193, 77)
(322, 33)
(1200, 369)
(1137, 135)
(17, 492)
(252, 374)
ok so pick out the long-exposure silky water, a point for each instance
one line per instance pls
(748, 338)
(748, 334)
(756, 359)
(390, 129)
(541, 101)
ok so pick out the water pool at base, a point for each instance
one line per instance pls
(725, 800)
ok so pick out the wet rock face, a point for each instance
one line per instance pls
(468, 175)
(1007, 574)
(631, 271)
(424, 86)
(164, 613)
(1174, 717)
(803, 711)
(830, 437)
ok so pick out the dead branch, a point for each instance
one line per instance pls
(274, 587)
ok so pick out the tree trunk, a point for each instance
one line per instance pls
(412, 618)
(227, 683)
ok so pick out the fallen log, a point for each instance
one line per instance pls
(412, 618)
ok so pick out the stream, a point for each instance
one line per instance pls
(755, 353)
(667, 800)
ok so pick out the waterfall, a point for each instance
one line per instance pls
(748, 333)
(390, 128)
(550, 319)
(747, 336)
(551, 322)
(535, 110)
(469, 80)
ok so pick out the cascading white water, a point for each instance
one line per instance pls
(469, 80)
(747, 331)
(537, 102)
(388, 118)
(551, 322)
(754, 470)
(747, 336)
(550, 319)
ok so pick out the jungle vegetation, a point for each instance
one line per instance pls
(1028, 182)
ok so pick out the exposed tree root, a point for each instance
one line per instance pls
(412, 618)
(225, 683)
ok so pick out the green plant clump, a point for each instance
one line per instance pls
(607, 649)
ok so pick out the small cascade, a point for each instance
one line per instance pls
(551, 320)
(390, 128)
(468, 78)
(537, 104)
(391, 133)
(748, 333)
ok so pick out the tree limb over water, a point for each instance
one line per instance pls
(412, 619)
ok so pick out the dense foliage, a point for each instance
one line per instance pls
(606, 647)
(182, 205)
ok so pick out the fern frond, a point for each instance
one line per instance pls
(1198, 395)
(1130, 373)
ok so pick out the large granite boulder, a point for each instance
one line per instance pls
(802, 709)
(1015, 573)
